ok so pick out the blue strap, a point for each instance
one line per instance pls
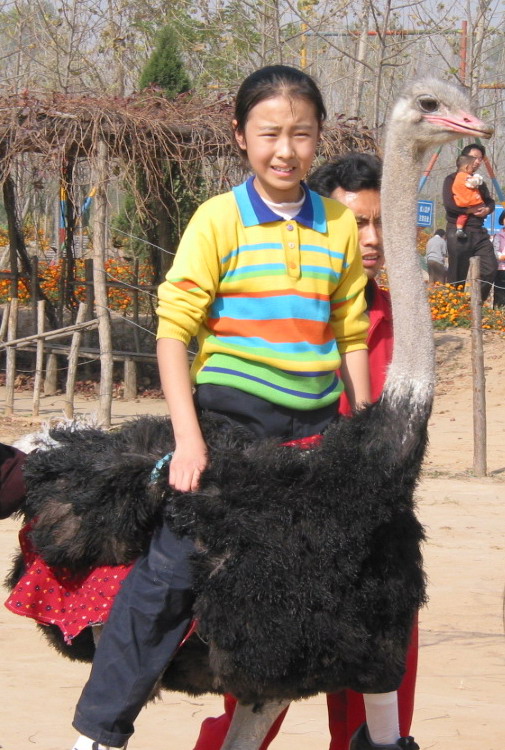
(159, 466)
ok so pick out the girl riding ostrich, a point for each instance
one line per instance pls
(305, 566)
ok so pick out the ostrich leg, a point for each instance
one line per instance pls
(249, 728)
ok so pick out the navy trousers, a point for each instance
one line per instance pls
(477, 243)
(153, 608)
(149, 618)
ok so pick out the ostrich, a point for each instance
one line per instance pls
(308, 567)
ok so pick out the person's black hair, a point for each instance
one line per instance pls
(351, 172)
(440, 232)
(501, 218)
(467, 149)
(274, 80)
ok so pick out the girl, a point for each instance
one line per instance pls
(269, 278)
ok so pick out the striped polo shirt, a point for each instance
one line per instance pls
(273, 302)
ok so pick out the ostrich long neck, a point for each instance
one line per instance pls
(411, 374)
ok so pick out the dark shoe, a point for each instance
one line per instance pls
(361, 741)
(461, 234)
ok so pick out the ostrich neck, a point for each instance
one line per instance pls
(411, 372)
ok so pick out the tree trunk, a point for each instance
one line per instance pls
(100, 286)
(360, 69)
(18, 248)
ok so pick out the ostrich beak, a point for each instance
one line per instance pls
(461, 122)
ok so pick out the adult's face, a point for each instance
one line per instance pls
(366, 207)
(476, 154)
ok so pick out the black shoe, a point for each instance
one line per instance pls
(461, 234)
(361, 741)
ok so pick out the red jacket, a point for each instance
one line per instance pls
(379, 341)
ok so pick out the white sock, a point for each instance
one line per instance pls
(85, 743)
(382, 717)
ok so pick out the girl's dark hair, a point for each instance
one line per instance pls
(501, 218)
(274, 80)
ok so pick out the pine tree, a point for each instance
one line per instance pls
(168, 217)
(165, 68)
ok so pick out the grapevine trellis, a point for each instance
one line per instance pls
(137, 139)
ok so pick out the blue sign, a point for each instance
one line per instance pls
(424, 213)
(491, 220)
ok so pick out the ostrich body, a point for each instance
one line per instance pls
(308, 566)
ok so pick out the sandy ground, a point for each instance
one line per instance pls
(461, 683)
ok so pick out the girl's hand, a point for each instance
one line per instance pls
(190, 455)
(187, 464)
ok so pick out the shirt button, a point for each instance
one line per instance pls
(289, 227)
(291, 244)
(292, 265)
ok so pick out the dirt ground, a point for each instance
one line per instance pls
(461, 682)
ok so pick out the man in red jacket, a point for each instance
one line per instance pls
(354, 180)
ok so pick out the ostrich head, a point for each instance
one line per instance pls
(431, 112)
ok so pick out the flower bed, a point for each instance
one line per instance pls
(450, 307)
(119, 300)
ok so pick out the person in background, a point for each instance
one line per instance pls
(12, 485)
(465, 191)
(354, 180)
(436, 255)
(477, 242)
(499, 249)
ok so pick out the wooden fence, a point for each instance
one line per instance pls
(46, 356)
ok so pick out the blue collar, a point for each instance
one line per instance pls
(254, 211)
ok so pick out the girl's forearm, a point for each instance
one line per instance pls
(356, 376)
(176, 383)
(189, 458)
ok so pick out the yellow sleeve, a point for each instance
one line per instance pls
(348, 305)
(190, 285)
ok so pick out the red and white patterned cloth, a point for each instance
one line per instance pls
(56, 596)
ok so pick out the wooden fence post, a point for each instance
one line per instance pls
(89, 299)
(5, 322)
(10, 357)
(34, 289)
(73, 359)
(62, 291)
(100, 286)
(34, 277)
(130, 378)
(88, 278)
(479, 378)
(135, 305)
(51, 379)
(39, 359)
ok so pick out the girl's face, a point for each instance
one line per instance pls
(280, 138)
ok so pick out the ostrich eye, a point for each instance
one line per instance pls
(427, 104)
